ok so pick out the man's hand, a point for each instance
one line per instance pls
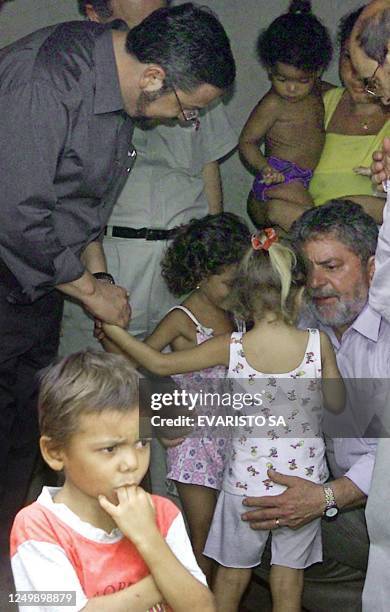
(380, 167)
(302, 502)
(109, 303)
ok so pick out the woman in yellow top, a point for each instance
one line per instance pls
(356, 124)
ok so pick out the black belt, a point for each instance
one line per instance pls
(146, 233)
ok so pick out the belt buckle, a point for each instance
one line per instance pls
(150, 234)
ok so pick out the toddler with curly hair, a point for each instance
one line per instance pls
(295, 49)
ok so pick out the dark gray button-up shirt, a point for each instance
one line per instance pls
(65, 151)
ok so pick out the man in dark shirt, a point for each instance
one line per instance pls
(66, 94)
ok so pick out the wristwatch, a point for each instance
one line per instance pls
(331, 510)
(104, 276)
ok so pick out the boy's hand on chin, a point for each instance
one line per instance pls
(134, 514)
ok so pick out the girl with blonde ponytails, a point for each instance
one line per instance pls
(283, 369)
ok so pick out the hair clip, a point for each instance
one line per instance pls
(271, 237)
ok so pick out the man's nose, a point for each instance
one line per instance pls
(317, 278)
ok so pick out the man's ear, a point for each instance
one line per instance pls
(370, 268)
(91, 13)
(52, 453)
(152, 78)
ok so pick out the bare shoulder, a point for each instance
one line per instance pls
(180, 320)
(271, 102)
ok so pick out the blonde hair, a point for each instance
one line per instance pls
(264, 282)
(83, 383)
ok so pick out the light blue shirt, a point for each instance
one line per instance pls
(362, 353)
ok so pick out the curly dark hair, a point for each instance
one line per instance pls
(297, 38)
(204, 247)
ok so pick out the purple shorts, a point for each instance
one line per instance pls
(291, 172)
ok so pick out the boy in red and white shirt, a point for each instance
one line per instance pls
(101, 535)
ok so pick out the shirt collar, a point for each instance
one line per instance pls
(368, 323)
(108, 97)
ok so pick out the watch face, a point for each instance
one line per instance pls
(331, 512)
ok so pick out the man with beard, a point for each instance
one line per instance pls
(67, 93)
(338, 242)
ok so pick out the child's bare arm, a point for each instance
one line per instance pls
(165, 332)
(138, 598)
(254, 131)
(208, 354)
(135, 517)
(333, 388)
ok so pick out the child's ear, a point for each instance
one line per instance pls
(52, 453)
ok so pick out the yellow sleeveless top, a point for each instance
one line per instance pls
(333, 176)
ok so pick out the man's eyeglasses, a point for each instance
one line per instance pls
(189, 115)
(371, 85)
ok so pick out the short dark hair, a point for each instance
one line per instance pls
(204, 247)
(374, 35)
(296, 38)
(344, 220)
(189, 43)
(346, 25)
(102, 8)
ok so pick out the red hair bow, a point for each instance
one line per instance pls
(258, 243)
